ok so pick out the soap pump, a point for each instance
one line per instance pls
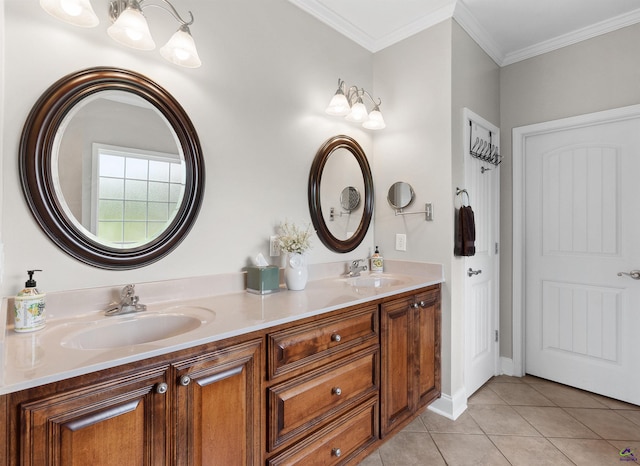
(29, 307)
(377, 262)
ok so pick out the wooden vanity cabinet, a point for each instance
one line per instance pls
(322, 392)
(122, 420)
(410, 346)
(194, 407)
(218, 407)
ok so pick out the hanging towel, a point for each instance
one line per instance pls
(465, 232)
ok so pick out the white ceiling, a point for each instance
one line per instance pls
(508, 30)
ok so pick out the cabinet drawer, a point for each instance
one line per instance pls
(301, 404)
(292, 348)
(337, 442)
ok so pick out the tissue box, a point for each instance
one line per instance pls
(263, 279)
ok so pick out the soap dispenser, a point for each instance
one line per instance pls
(29, 307)
(377, 262)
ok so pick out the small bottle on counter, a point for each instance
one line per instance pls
(29, 307)
(377, 262)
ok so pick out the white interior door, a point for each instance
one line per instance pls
(482, 183)
(582, 227)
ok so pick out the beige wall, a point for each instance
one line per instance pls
(427, 80)
(597, 74)
(269, 70)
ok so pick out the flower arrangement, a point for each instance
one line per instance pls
(291, 238)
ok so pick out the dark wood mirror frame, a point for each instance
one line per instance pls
(36, 173)
(315, 205)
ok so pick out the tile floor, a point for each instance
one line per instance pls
(520, 421)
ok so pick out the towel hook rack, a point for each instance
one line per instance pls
(483, 150)
(463, 191)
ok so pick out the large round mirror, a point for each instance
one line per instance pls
(112, 168)
(339, 175)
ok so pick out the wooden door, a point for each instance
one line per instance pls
(117, 422)
(582, 229)
(397, 348)
(218, 407)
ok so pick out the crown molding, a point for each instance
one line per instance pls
(579, 35)
(479, 34)
(348, 29)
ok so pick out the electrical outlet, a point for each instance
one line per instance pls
(274, 247)
(401, 242)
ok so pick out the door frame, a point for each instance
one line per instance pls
(520, 136)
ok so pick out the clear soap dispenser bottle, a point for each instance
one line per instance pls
(29, 309)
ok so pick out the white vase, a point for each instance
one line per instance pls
(296, 272)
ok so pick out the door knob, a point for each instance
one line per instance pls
(472, 272)
(635, 274)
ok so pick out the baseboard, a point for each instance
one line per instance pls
(506, 366)
(450, 407)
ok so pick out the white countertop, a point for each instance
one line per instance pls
(37, 358)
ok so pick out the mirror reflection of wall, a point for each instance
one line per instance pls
(129, 197)
(341, 170)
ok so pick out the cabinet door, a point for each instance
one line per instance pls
(397, 363)
(218, 407)
(427, 320)
(120, 421)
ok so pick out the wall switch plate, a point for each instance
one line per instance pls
(274, 247)
(401, 242)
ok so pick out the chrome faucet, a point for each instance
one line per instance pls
(128, 303)
(355, 268)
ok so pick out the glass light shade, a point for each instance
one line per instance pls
(358, 112)
(375, 120)
(339, 105)
(76, 12)
(131, 29)
(181, 49)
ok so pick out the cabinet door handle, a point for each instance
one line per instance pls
(336, 452)
(414, 306)
(185, 380)
(336, 337)
(423, 304)
(336, 391)
(162, 388)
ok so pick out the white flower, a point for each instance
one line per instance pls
(293, 239)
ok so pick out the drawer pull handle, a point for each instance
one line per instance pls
(423, 304)
(336, 337)
(336, 391)
(336, 452)
(185, 380)
(162, 388)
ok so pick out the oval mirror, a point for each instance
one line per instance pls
(111, 167)
(400, 195)
(340, 162)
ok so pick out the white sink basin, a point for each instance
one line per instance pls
(374, 281)
(136, 329)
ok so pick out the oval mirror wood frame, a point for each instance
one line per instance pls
(36, 174)
(315, 205)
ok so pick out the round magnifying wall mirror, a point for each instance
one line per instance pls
(350, 199)
(400, 195)
(340, 162)
(111, 167)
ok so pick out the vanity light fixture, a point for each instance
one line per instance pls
(130, 27)
(348, 103)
